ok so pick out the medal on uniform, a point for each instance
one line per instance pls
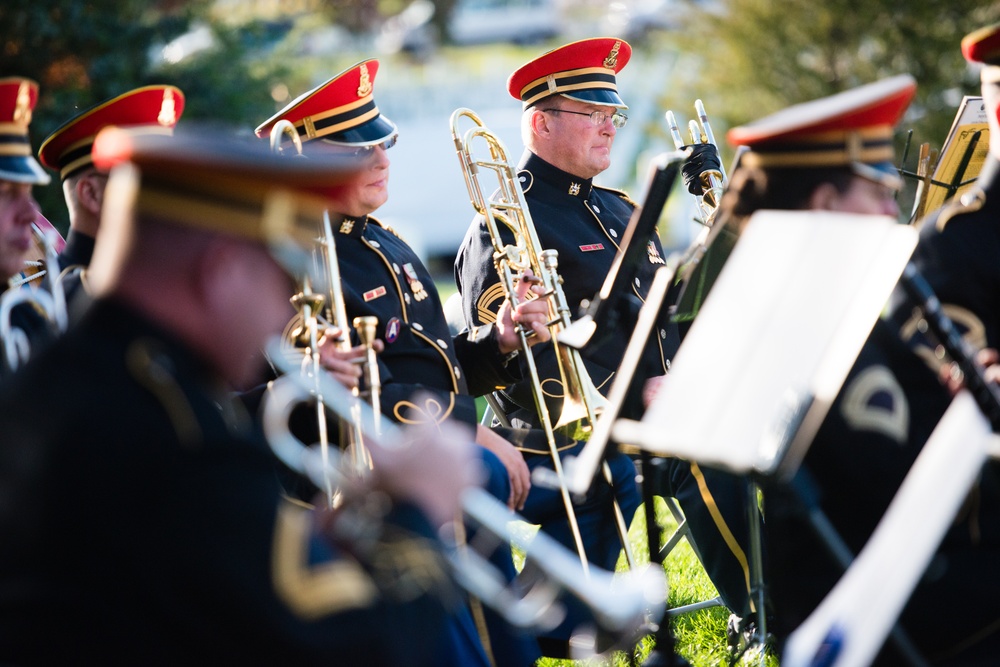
(417, 287)
(654, 254)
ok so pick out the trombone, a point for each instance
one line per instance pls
(713, 181)
(581, 400)
(627, 606)
(317, 311)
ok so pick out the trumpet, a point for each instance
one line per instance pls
(713, 181)
(582, 402)
(48, 299)
(625, 606)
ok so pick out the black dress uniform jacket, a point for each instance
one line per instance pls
(585, 224)
(143, 524)
(382, 276)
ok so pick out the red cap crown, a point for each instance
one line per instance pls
(854, 127)
(154, 108)
(341, 111)
(18, 97)
(983, 46)
(583, 71)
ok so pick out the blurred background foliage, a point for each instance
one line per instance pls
(239, 60)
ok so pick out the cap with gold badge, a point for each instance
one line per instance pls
(341, 111)
(983, 46)
(583, 71)
(155, 109)
(852, 129)
(18, 97)
(204, 179)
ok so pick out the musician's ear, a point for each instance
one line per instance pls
(824, 197)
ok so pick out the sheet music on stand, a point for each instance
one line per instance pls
(970, 120)
(774, 341)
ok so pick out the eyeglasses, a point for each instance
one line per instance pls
(618, 119)
(363, 152)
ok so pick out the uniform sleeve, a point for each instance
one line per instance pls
(486, 369)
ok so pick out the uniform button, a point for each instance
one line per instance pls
(442, 344)
(523, 179)
(406, 298)
(395, 267)
(416, 325)
(637, 284)
(458, 373)
(613, 233)
(374, 244)
(596, 208)
(663, 334)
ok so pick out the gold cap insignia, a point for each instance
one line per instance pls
(168, 112)
(22, 107)
(307, 123)
(612, 58)
(365, 86)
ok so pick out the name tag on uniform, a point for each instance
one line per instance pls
(374, 293)
(592, 247)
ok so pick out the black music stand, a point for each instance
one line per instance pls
(771, 347)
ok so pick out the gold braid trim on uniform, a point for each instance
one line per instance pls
(975, 333)
(485, 311)
(970, 202)
(723, 528)
(155, 378)
(311, 592)
(386, 228)
(432, 412)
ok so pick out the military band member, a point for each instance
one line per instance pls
(957, 244)
(382, 276)
(572, 112)
(19, 172)
(67, 151)
(836, 153)
(143, 519)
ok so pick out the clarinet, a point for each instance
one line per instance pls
(987, 395)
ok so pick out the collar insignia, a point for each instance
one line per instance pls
(346, 226)
(574, 189)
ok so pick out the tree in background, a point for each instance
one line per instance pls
(82, 53)
(749, 58)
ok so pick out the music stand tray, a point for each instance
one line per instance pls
(774, 341)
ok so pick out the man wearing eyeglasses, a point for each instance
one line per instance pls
(571, 115)
(427, 375)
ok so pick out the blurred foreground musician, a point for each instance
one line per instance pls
(383, 277)
(154, 109)
(143, 520)
(19, 172)
(836, 154)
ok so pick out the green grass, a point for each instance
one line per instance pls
(700, 636)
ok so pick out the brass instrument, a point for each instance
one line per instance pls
(319, 311)
(49, 299)
(581, 401)
(713, 182)
(626, 606)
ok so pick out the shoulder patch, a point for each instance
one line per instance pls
(620, 193)
(874, 401)
(970, 202)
